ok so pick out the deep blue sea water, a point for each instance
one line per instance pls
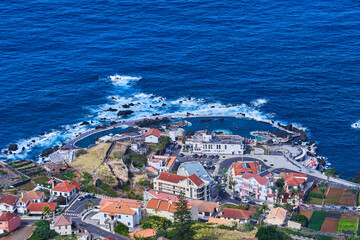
(288, 61)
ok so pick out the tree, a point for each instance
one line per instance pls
(270, 233)
(182, 220)
(224, 174)
(264, 207)
(122, 229)
(302, 219)
(280, 183)
(155, 222)
(232, 184)
(330, 173)
(42, 231)
(323, 188)
(91, 203)
(298, 192)
(46, 211)
(288, 207)
(276, 205)
(273, 189)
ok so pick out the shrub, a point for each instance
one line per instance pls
(246, 227)
(155, 222)
(144, 182)
(270, 233)
(300, 219)
(80, 152)
(315, 195)
(138, 159)
(225, 227)
(122, 229)
(42, 231)
(241, 207)
(87, 175)
(109, 191)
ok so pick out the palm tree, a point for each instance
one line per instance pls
(298, 191)
(276, 205)
(91, 203)
(46, 211)
(232, 184)
(288, 207)
(280, 183)
(264, 207)
(273, 189)
(224, 174)
(330, 173)
(323, 187)
(355, 192)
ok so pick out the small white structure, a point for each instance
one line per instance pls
(152, 136)
(176, 133)
(205, 142)
(138, 146)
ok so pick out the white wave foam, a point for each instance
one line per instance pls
(258, 102)
(123, 80)
(356, 125)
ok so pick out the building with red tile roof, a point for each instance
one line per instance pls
(36, 208)
(206, 209)
(150, 194)
(126, 212)
(192, 186)
(8, 203)
(240, 168)
(103, 201)
(30, 196)
(152, 136)
(9, 222)
(236, 214)
(162, 163)
(66, 189)
(145, 233)
(166, 209)
(293, 180)
(109, 238)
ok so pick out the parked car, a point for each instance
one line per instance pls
(210, 163)
(344, 208)
(312, 206)
(204, 156)
(211, 156)
(237, 198)
(251, 202)
(217, 156)
(332, 206)
(80, 198)
(302, 205)
(181, 154)
(89, 195)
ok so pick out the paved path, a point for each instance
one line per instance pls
(23, 232)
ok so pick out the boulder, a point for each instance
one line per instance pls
(165, 120)
(113, 123)
(84, 123)
(49, 151)
(289, 127)
(13, 147)
(303, 137)
(101, 126)
(110, 109)
(125, 113)
(163, 105)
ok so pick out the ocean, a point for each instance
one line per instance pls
(288, 61)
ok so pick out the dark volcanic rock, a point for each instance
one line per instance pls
(156, 114)
(101, 126)
(84, 123)
(13, 147)
(189, 133)
(203, 120)
(23, 149)
(212, 106)
(303, 136)
(148, 122)
(312, 142)
(289, 127)
(33, 141)
(110, 109)
(125, 113)
(42, 134)
(180, 101)
(126, 106)
(221, 119)
(165, 120)
(49, 151)
(6, 152)
(163, 105)
(113, 123)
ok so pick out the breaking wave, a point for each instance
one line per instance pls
(356, 125)
(259, 102)
(123, 80)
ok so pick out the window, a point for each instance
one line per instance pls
(104, 214)
(200, 213)
(119, 216)
(65, 227)
(128, 223)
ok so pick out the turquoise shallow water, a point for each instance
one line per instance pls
(287, 61)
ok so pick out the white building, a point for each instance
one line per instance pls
(8, 203)
(138, 146)
(162, 163)
(31, 196)
(205, 142)
(152, 136)
(176, 133)
(62, 225)
(122, 211)
(66, 189)
(192, 186)
(255, 186)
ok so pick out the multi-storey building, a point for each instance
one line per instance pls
(192, 186)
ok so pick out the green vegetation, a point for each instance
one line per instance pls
(245, 227)
(2, 172)
(42, 231)
(271, 233)
(346, 225)
(80, 152)
(122, 229)
(317, 220)
(41, 180)
(155, 222)
(300, 219)
(137, 159)
(302, 233)
(226, 227)
(315, 195)
(109, 191)
(28, 186)
(69, 176)
(242, 207)
(144, 182)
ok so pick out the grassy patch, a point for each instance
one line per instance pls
(92, 159)
(109, 191)
(347, 224)
(41, 180)
(221, 234)
(315, 195)
(28, 186)
(137, 159)
(317, 220)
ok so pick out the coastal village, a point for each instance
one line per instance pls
(134, 184)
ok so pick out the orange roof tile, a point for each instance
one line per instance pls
(220, 221)
(64, 187)
(37, 207)
(6, 216)
(151, 169)
(162, 205)
(170, 177)
(109, 238)
(62, 220)
(242, 167)
(171, 161)
(204, 206)
(119, 207)
(154, 132)
(9, 200)
(277, 212)
(31, 196)
(235, 213)
(146, 233)
(125, 200)
(163, 196)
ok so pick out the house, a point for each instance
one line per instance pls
(119, 211)
(55, 167)
(138, 146)
(62, 225)
(176, 134)
(239, 168)
(31, 196)
(103, 201)
(152, 136)
(9, 222)
(152, 170)
(206, 209)
(146, 233)
(255, 186)
(66, 189)
(166, 209)
(242, 216)
(162, 163)
(150, 194)
(8, 203)
(222, 221)
(192, 186)
(205, 142)
(277, 216)
(35, 208)
(292, 180)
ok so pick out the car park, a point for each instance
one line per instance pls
(80, 198)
